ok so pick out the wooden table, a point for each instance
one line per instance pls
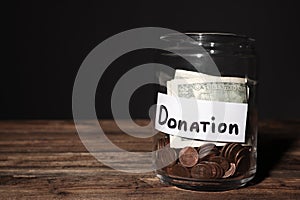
(46, 160)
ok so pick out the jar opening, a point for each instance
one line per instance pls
(216, 37)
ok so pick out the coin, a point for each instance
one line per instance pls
(240, 153)
(233, 151)
(207, 156)
(188, 156)
(213, 170)
(242, 164)
(216, 169)
(207, 146)
(201, 171)
(208, 150)
(226, 154)
(221, 161)
(230, 171)
(179, 170)
(223, 150)
(220, 171)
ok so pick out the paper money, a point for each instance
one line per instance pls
(197, 85)
(184, 74)
(212, 91)
(201, 86)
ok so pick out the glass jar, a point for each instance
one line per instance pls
(217, 149)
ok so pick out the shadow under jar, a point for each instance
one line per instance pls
(210, 163)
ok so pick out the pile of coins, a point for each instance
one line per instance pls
(205, 162)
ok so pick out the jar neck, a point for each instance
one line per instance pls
(213, 43)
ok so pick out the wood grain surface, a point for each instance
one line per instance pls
(42, 159)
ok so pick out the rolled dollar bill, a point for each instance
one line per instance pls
(225, 90)
(184, 74)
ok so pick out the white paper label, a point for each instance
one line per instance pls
(202, 120)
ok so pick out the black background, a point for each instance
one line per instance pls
(48, 40)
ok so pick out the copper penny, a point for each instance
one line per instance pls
(217, 170)
(188, 156)
(179, 170)
(201, 171)
(207, 146)
(207, 156)
(233, 151)
(226, 155)
(242, 152)
(224, 148)
(208, 150)
(223, 162)
(221, 171)
(230, 171)
(242, 165)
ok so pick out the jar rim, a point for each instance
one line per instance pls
(219, 37)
